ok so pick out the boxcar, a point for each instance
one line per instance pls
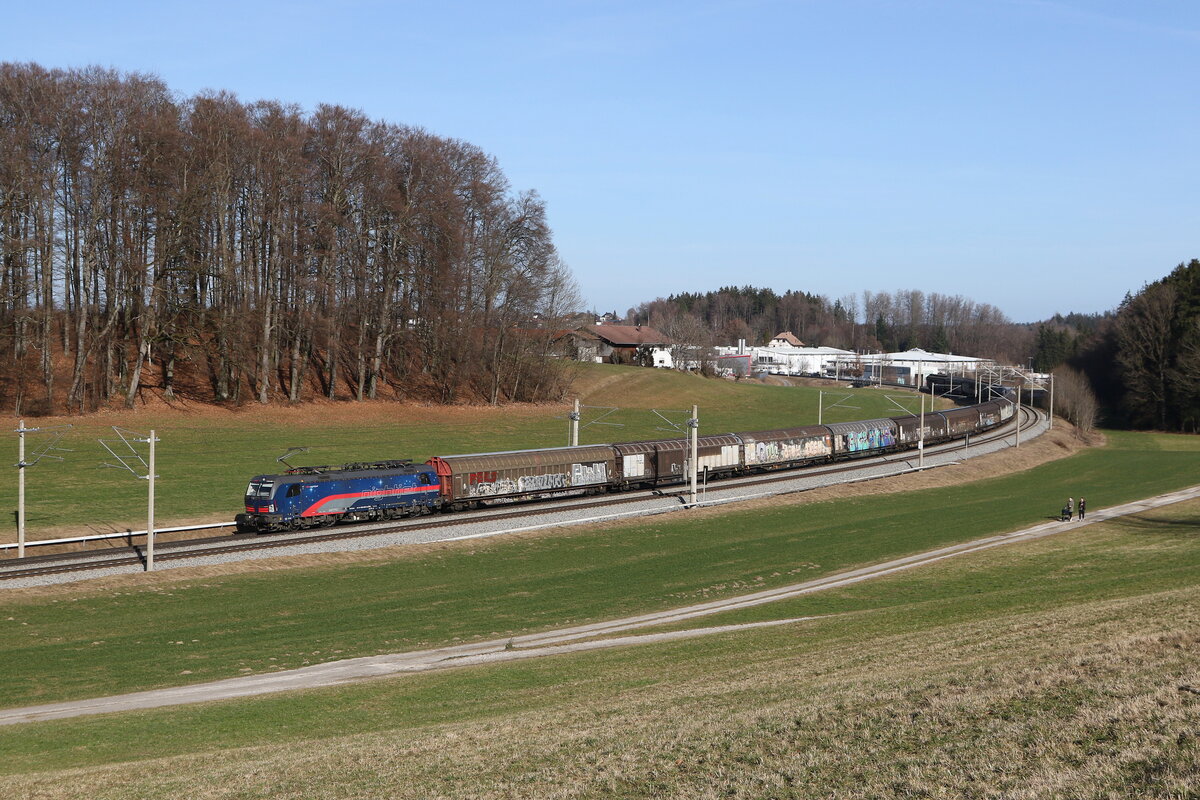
(467, 480)
(995, 412)
(908, 429)
(864, 436)
(665, 460)
(786, 448)
(308, 496)
(962, 421)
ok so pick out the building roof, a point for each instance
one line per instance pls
(628, 335)
(580, 333)
(788, 338)
(778, 350)
(917, 354)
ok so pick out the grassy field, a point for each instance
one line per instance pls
(1059, 668)
(206, 455)
(1051, 668)
(157, 634)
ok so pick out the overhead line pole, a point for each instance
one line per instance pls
(694, 425)
(21, 490)
(150, 516)
(1017, 416)
(125, 462)
(574, 438)
(1051, 425)
(43, 452)
(921, 444)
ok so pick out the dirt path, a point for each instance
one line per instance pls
(566, 640)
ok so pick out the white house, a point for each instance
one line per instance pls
(785, 339)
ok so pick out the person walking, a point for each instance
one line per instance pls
(1082, 508)
(1070, 508)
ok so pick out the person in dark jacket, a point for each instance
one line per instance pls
(1082, 508)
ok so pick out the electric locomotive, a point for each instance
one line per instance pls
(305, 497)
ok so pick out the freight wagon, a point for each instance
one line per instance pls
(321, 495)
(863, 437)
(468, 480)
(666, 460)
(790, 447)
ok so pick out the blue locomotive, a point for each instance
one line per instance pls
(306, 497)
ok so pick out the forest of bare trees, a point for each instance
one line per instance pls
(249, 252)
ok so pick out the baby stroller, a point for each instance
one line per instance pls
(1064, 515)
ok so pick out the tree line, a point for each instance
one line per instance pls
(1136, 366)
(883, 321)
(1154, 339)
(1142, 360)
(253, 252)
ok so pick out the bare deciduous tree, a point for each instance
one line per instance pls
(1074, 399)
(251, 248)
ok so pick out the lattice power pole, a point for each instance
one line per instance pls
(128, 462)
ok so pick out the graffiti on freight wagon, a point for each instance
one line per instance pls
(491, 484)
(584, 474)
(869, 439)
(778, 452)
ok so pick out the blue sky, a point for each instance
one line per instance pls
(1039, 155)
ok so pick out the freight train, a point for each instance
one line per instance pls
(307, 497)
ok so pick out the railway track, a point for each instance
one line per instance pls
(246, 543)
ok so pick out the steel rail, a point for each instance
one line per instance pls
(35, 566)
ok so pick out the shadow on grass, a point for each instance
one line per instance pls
(1178, 526)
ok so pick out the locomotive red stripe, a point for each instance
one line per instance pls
(312, 511)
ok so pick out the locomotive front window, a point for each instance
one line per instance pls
(256, 489)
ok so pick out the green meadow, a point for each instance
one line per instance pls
(1049, 668)
(205, 456)
(1059, 667)
(145, 636)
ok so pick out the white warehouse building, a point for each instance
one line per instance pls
(910, 366)
(787, 360)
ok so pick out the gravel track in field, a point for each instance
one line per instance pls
(613, 633)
